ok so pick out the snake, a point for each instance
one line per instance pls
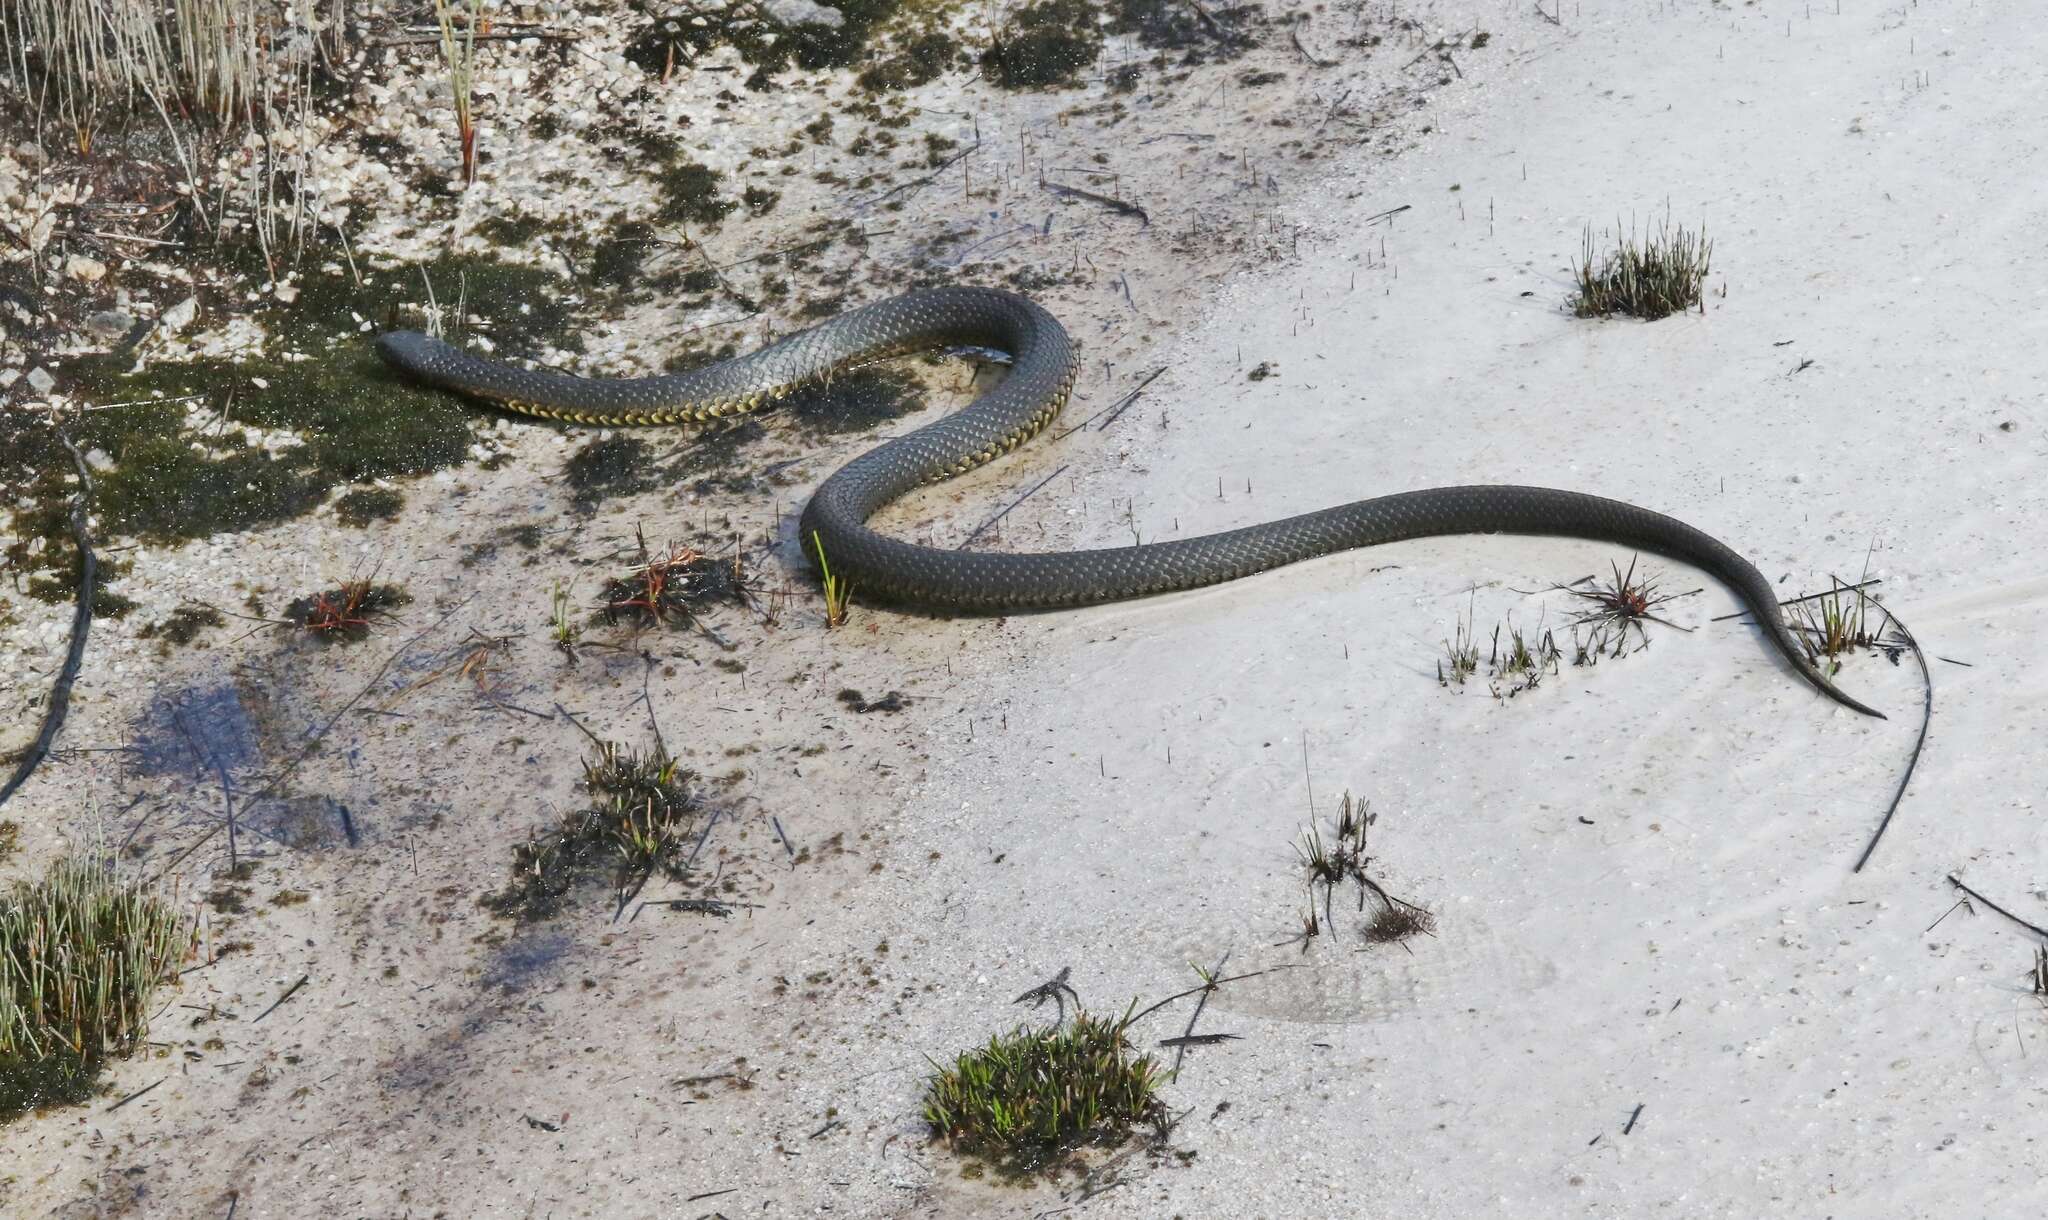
(1044, 363)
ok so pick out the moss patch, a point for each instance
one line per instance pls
(610, 466)
(918, 60)
(856, 401)
(1044, 45)
(184, 625)
(366, 504)
(689, 195)
(187, 449)
(679, 34)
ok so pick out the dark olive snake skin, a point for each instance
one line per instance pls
(1040, 380)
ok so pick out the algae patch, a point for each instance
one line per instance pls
(189, 448)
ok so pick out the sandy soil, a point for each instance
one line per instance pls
(1655, 983)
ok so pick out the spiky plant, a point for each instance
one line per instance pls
(1663, 274)
(81, 952)
(1032, 1093)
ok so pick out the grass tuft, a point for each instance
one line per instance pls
(1834, 624)
(1031, 1094)
(636, 826)
(838, 593)
(80, 955)
(1331, 862)
(1662, 275)
(674, 586)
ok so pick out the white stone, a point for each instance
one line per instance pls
(79, 267)
(179, 316)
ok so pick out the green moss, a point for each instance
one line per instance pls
(856, 401)
(183, 626)
(918, 60)
(366, 504)
(178, 445)
(515, 231)
(690, 196)
(1172, 25)
(678, 37)
(609, 466)
(1044, 45)
(617, 261)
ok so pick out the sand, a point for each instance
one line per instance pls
(1655, 984)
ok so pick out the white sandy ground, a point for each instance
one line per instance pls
(1116, 789)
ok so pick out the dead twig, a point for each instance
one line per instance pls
(1122, 207)
(289, 992)
(2035, 928)
(1913, 759)
(985, 526)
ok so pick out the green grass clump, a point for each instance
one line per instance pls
(1033, 1093)
(636, 825)
(1663, 275)
(80, 955)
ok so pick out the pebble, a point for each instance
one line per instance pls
(110, 323)
(179, 316)
(40, 381)
(90, 270)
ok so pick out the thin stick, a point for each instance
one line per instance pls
(1204, 987)
(81, 625)
(1131, 397)
(1913, 760)
(1180, 1051)
(132, 1096)
(979, 530)
(1124, 401)
(1122, 207)
(289, 992)
(1807, 597)
(2035, 928)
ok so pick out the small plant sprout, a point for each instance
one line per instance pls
(1463, 654)
(1623, 604)
(561, 628)
(81, 954)
(1833, 624)
(838, 594)
(1518, 667)
(458, 50)
(1342, 858)
(1663, 275)
(1030, 1095)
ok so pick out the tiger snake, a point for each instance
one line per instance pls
(1040, 381)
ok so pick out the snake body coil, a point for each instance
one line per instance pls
(1040, 380)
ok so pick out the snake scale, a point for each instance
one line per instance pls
(1041, 378)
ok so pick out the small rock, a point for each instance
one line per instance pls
(40, 381)
(803, 12)
(98, 459)
(109, 323)
(90, 270)
(179, 316)
(286, 293)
